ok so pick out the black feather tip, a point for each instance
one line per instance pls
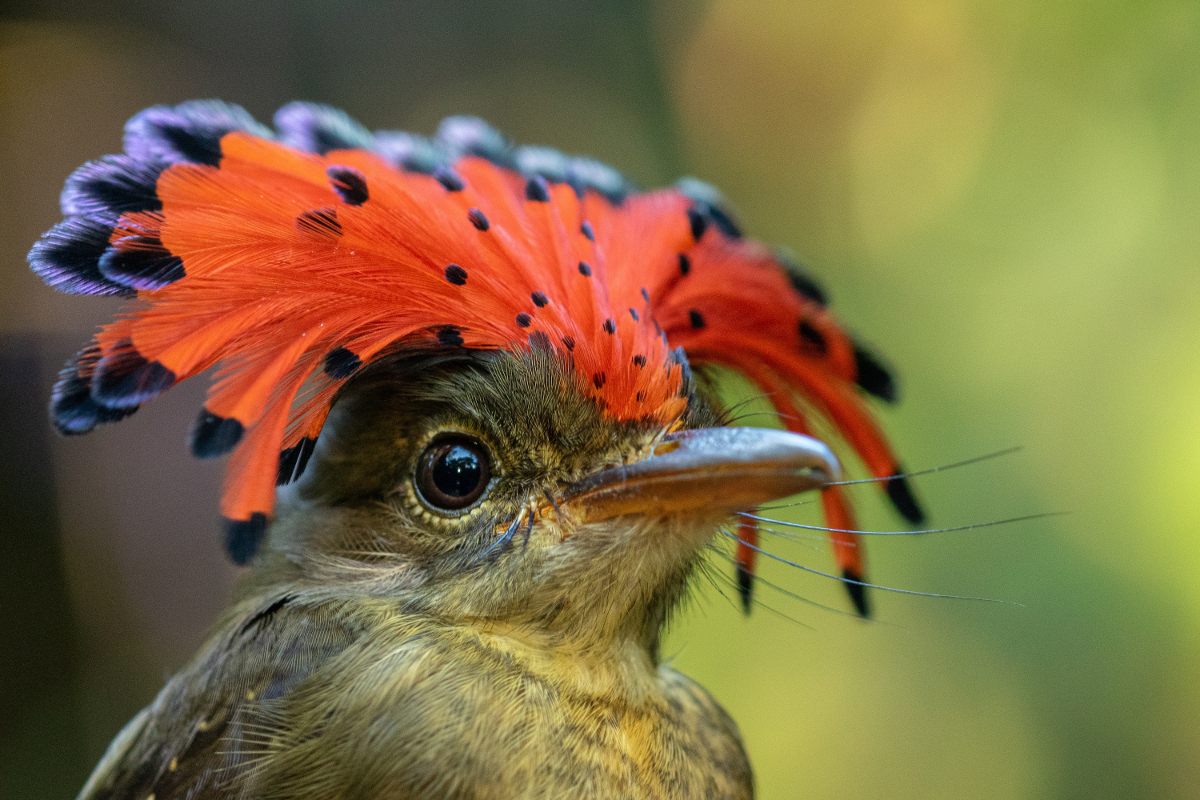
(141, 262)
(478, 219)
(111, 186)
(873, 376)
(450, 180)
(456, 275)
(320, 222)
(124, 379)
(449, 336)
(293, 460)
(72, 408)
(189, 132)
(811, 339)
(804, 283)
(697, 221)
(244, 536)
(349, 183)
(470, 136)
(710, 204)
(67, 258)
(536, 190)
(724, 221)
(213, 435)
(745, 587)
(900, 493)
(341, 363)
(857, 592)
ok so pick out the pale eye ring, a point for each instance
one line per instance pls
(453, 472)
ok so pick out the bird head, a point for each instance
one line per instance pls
(491, 488)
(468, 364)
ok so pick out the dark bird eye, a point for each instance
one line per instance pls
(454, 472)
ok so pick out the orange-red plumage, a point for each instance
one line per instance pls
(291, 269)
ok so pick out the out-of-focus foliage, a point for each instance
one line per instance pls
(1002, 196)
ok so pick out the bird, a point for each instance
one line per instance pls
(477, 453)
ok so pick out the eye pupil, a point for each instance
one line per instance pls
(453, 472)
(457, 472)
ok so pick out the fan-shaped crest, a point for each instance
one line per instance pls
(291, 258)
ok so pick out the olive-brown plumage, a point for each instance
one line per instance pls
(381, 649)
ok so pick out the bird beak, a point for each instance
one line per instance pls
(715, 471)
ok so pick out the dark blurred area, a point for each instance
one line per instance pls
(1002, 195)
(111, 570)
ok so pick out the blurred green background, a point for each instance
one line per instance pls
(1002, 195)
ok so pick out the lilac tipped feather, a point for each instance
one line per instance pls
(111, 186)
(189, 132)
(470, 136)
(317, 128)
(67, 258)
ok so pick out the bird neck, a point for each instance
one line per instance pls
(622, 666)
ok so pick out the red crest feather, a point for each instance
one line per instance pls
(290, 263)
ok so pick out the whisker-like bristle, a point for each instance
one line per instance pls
(787, 505)
(805, 540)
(864, 584)
(758, 603)
(726, 413)
(976, 460)
(970, 527)
(794, 596)
(504, 538)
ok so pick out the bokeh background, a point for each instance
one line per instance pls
(1002, 195)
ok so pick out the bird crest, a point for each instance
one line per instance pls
(291, 258)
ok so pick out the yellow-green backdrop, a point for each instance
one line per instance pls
(1003, 196)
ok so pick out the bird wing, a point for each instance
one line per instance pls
(209, 729)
